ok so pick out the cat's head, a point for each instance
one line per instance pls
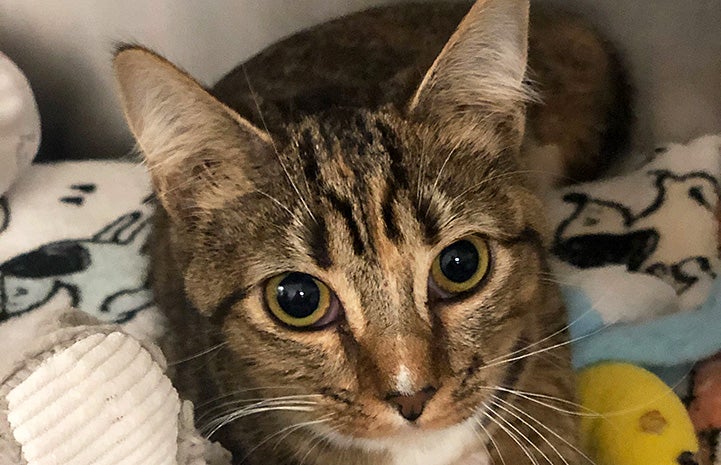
(385, 262)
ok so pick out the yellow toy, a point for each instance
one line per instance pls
(631, 417)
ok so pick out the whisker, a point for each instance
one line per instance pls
(275, 149)
(321, 420)
(493, 363)
(421, 174)
(493, 442)
(546, 338)
(257, 407)
(515, 439)
(443, 166)
(532, 428)
(241, 391)
(287, 430)
(502, 176)
(591, 413)
(532, 395)
(313, 445)
(490, 438)
(211, 428)
(300, 399)
(281, 205)
(547, 428)
(522, 436)
(199, 354)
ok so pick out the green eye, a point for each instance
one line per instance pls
(301, 301)
(460, 266)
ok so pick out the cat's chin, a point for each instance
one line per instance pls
(392, 435)
(408, 437)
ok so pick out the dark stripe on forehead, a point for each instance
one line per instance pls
(345, 209)
(398, 178)
(307, 152)
(317, 241)
(350, 128)
(391, 144)
(389, 217)
(428, 217)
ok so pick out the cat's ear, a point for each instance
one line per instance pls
(197, 149)
(481, 69)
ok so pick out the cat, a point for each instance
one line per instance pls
(349, 247)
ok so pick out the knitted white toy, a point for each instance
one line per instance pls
(19, 124)
(89, 394)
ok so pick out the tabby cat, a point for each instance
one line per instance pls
(350, 251)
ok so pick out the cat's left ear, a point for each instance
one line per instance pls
(196, 148)
(478, 78)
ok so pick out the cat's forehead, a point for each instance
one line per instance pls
(356, 134)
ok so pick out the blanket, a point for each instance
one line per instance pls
(72, 234)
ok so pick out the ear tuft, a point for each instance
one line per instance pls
(482, 67)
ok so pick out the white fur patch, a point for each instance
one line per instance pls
(404, 382)
(460, 444)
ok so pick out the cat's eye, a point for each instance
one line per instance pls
(460, 266)
(301, 301)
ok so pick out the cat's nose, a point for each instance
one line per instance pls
(411, 406)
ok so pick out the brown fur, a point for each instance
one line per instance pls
(362, 196)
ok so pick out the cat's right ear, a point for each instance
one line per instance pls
(197, 149)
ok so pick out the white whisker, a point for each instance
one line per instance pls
(259, 407)
(515, 439)
(285, 432)
(493, 441)
(544, 349)
(242, 391)
(531, 395)
(313, 445)
(275, 149)
(558, 436)
(532, 428)
(199, 354)
(300, 399)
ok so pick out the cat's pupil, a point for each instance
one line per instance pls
(298, 295)
(459, 261)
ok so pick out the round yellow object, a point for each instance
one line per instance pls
(631, 417)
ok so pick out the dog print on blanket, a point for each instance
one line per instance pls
(672, 238)
(100, 273)
(72, 233)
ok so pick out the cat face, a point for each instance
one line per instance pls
(384, 262)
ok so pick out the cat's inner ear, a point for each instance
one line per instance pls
(481, 69)
(197, 149)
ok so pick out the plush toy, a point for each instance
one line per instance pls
(632, 417)
(638, 256)
(19, 124)
(89, 394)
(81, 388)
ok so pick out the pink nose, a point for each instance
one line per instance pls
(411, 406)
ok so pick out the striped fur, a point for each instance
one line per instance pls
(363, 197)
